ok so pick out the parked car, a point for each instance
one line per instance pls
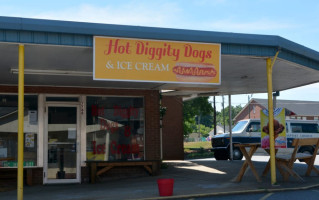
(249, 131)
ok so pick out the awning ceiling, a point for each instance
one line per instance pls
(243, 61)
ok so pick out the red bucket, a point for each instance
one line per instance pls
(165, 186)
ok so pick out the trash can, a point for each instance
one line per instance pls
(165, 186)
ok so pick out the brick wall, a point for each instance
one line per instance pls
(173, 129)
(152, 126)
(85, 175)
(254, 112)
(37, 176)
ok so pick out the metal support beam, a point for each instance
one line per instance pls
(270, 64)
(20, 122)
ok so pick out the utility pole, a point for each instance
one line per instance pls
(248, 107)
(230, 126)
(224, 120)
(215, 123)
(249, 104)
(275, 95)
(199, 126)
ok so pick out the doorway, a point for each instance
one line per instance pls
(61, 143)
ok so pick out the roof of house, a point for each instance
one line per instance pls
(305, 108)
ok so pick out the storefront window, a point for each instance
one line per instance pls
(115, 128)
(9, 130)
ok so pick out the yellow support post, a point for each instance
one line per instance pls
(271, 119)
(20, 122)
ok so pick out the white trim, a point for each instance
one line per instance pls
(148, 81)
(45, 143)
(59, 181)
(83, 129)
(41, 130)
(61, 95)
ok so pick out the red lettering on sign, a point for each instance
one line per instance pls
(94, 147)
(109, 126)
(124, 148)
(98, 149)
(94, 110)
(101, 111)
(117, 48)
(101, 149)
(189, 51)
(127, 131)
(125, 113)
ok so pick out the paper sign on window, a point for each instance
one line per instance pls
(71, 133)
(279, 128)
(29, 140)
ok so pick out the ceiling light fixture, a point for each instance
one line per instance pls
(52, 72)
(165, 91)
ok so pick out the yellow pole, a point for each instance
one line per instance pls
(20, 122)
(271, 119)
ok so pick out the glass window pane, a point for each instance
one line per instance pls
(304, 128)
(253, 127)
(115, 128)
(62, 136)
(9, 130)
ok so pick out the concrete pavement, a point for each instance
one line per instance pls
(193, 178)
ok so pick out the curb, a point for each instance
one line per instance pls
(233, 193)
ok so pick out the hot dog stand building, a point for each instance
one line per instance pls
(93, 93)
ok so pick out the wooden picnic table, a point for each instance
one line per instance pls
(248, 155)
(253, 147)
(151, 167)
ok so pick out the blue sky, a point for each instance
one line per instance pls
(294, 20)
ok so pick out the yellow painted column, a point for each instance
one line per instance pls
(20, 122)
(271, 119)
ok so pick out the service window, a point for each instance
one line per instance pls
(115, 128)
(9, 130)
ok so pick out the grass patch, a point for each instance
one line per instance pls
(194, 150)
(196, 155)
(197, 145)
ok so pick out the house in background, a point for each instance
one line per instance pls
(305, 110)
(194, 137)
(219, 130)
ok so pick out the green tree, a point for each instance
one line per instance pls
(204, 130)
(199, 106)
(207, 120)
(235, 111)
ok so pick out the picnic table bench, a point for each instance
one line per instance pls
(152, 167)
(11, 172)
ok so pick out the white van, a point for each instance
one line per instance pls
(249, 131)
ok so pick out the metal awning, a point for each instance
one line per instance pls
(59, 53)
